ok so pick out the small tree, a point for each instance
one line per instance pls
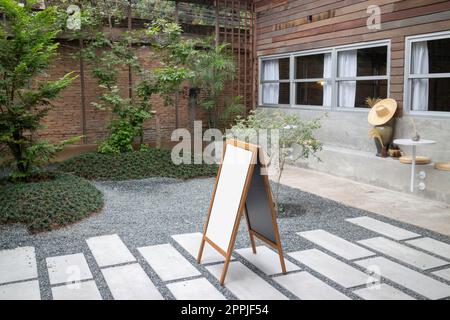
(107, 58)
(296, 137)
(213, 67)
(27, 46)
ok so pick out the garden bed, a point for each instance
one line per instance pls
(52, 201)
(133, 165)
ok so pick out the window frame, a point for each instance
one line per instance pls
(295, 81)
(408, 76)
(334, 79)
(261, 81)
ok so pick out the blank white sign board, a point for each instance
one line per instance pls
(230, 187)
(240, 188)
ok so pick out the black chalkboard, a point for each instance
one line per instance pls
(258, 205)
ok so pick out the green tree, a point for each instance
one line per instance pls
(213, 67)
(295, 138)
(28, 45)
(108, 57)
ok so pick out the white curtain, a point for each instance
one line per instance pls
(327, 73)
(347, 66)
(419, 65)
(271, 90)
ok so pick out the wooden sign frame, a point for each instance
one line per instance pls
(242, 210)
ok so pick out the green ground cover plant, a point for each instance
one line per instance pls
(133, 165)
(53, 201)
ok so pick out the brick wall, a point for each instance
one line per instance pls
(65, 119)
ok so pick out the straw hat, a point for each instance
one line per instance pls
(382, 112)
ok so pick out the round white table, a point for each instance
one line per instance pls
(413, 144)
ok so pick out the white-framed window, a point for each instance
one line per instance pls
(427, 74)
(362, 72)
(313, 79)
(275, 81)
(340, 78)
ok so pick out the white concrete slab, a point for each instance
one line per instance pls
(130, 282)
(383, 228)
(266, 260)
(245, 284)
(28, 290)
(86, 290)
(109, 250)
(400, 206)
(307, 287)
(382, 292)
(68, 268)
(168, 263)
(335, 244)
(444, 274)
(196, 289)
(403, 253)
(17, 264)
(191, 243)
(331, 268)
(431, 245)
(413, 280)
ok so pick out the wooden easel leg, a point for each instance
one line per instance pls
(225, 269)
(250, 234)
(280, 253)
(231, 247)
(200, 251)
(252, 241)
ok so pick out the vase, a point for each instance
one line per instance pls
(386, 132)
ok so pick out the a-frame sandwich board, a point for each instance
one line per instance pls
(240, 189)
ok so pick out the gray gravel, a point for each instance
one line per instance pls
(147, 212)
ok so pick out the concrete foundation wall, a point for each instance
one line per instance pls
(349, 152)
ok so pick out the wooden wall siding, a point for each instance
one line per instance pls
(424, 17)
(282, 27)
(361, 22)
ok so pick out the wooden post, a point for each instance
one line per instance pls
(193, 95)
(245, 56)
(177, 93)
(177, 12)
(239, 78)
(130, 75)
(83, 93)
(255, 74)
(158, 131)
(233, 86)
(217, 23)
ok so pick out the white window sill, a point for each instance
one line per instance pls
(314, 108)
(428, 114)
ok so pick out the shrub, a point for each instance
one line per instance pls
(54, 201)
(296, 137)
(28, 45)
(133, 165)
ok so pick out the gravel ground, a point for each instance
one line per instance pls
(147, 212)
